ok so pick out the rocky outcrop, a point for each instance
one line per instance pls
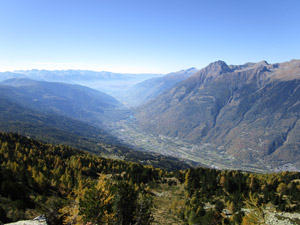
(40, 220)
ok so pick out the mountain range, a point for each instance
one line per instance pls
(249, 111)
(248, 114)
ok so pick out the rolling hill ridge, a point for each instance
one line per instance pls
(75, 101)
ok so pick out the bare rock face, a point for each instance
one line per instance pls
(28, 222)
(252, 110)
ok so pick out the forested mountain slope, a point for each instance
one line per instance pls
(70, 186)
(50, 127)
(64, 184)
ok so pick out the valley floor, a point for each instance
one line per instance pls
(202, 155)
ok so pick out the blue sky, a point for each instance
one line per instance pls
(145, 35)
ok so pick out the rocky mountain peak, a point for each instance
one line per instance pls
(192, 69)
(213, 70)
(264, 63)
(218, 66)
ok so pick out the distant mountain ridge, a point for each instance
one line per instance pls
(151, 88)
(251, 111)
(74, 75)
(114, 84)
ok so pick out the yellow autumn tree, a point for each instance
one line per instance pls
(256, 213)
(281, 188)
(96, 205)
(222, 181)
(90, 204)
(70, 213)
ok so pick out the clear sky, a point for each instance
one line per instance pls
(146, 35)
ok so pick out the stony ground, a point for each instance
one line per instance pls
(283, 218)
